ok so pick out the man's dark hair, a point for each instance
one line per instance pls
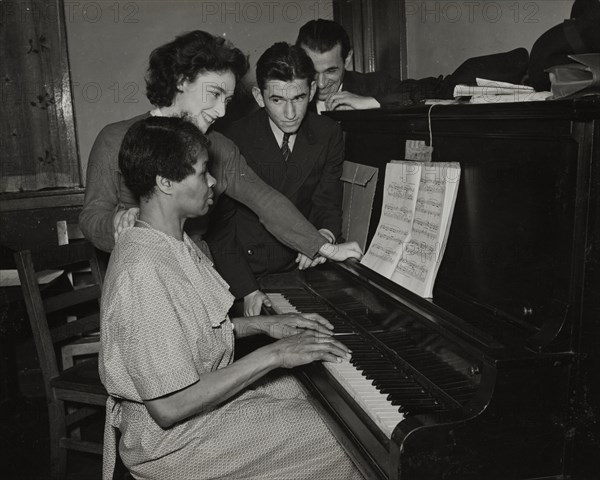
(323, 35)
(285, 62)
(184, 58)
(583, 9)
(165, 146)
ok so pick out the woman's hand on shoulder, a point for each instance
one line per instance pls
(124, 219)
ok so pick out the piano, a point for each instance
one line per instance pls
(498, 375)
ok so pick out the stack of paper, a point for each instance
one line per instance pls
(490, 91)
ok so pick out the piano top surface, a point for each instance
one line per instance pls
(584, 108)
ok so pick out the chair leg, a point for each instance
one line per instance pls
(58, 430)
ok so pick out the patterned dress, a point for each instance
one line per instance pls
(164, 323)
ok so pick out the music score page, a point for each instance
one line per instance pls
(418, 203)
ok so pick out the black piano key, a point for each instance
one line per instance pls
(389, 378)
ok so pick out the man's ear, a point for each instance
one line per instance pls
(180, 83)
(348, 60)
(164, 185)
(258, 97)
(313, 90)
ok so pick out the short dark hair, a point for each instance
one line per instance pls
(323, 35)
(285, 62)
(583, 9)
(184, 58)
(165, 146)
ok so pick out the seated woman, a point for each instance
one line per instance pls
(184, 409)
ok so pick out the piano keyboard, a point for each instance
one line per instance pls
(380, 409)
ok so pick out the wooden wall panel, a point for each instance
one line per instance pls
(377, 31)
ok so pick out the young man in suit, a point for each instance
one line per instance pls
(298, 153)
(327, 44)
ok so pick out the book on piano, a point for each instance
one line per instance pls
(418, 202)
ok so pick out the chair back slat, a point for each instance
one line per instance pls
(65, 257)
(37, 317)
(77, 328)
(69, 299)
(48, 257)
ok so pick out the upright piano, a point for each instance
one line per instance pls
(498, 375)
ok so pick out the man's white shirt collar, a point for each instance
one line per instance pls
(279, 135)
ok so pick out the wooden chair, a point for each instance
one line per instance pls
(79, 386)
(89, 344)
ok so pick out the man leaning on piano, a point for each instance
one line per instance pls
(295, 151)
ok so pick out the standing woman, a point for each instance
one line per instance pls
(184, 408)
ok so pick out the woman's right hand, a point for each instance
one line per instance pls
(341, 251)
(124, 219)
(253, 303)
(308, 347)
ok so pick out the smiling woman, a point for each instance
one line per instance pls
(203, 99)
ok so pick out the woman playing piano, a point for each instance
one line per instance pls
(184, 408)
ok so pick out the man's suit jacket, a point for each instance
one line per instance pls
(389, 91)
(242, 248)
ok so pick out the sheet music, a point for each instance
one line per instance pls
(399, 201)
(409, 251)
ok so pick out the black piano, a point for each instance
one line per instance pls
(498, 375)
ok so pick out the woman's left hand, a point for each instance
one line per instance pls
(281, 326)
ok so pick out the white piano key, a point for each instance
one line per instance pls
(385, 415)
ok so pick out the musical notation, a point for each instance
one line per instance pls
(411, 269)
(384, 254)
(396, 190)
(425, 226)
(416, 213)
(398, 213)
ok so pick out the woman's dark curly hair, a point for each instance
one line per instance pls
(165, 146)
(184, 58)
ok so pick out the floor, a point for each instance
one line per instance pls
(24, 438)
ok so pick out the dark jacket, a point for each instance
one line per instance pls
(388, 91)
(242, 248)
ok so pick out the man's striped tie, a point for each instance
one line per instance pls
(285, 148)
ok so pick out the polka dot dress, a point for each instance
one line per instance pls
(163, 324)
